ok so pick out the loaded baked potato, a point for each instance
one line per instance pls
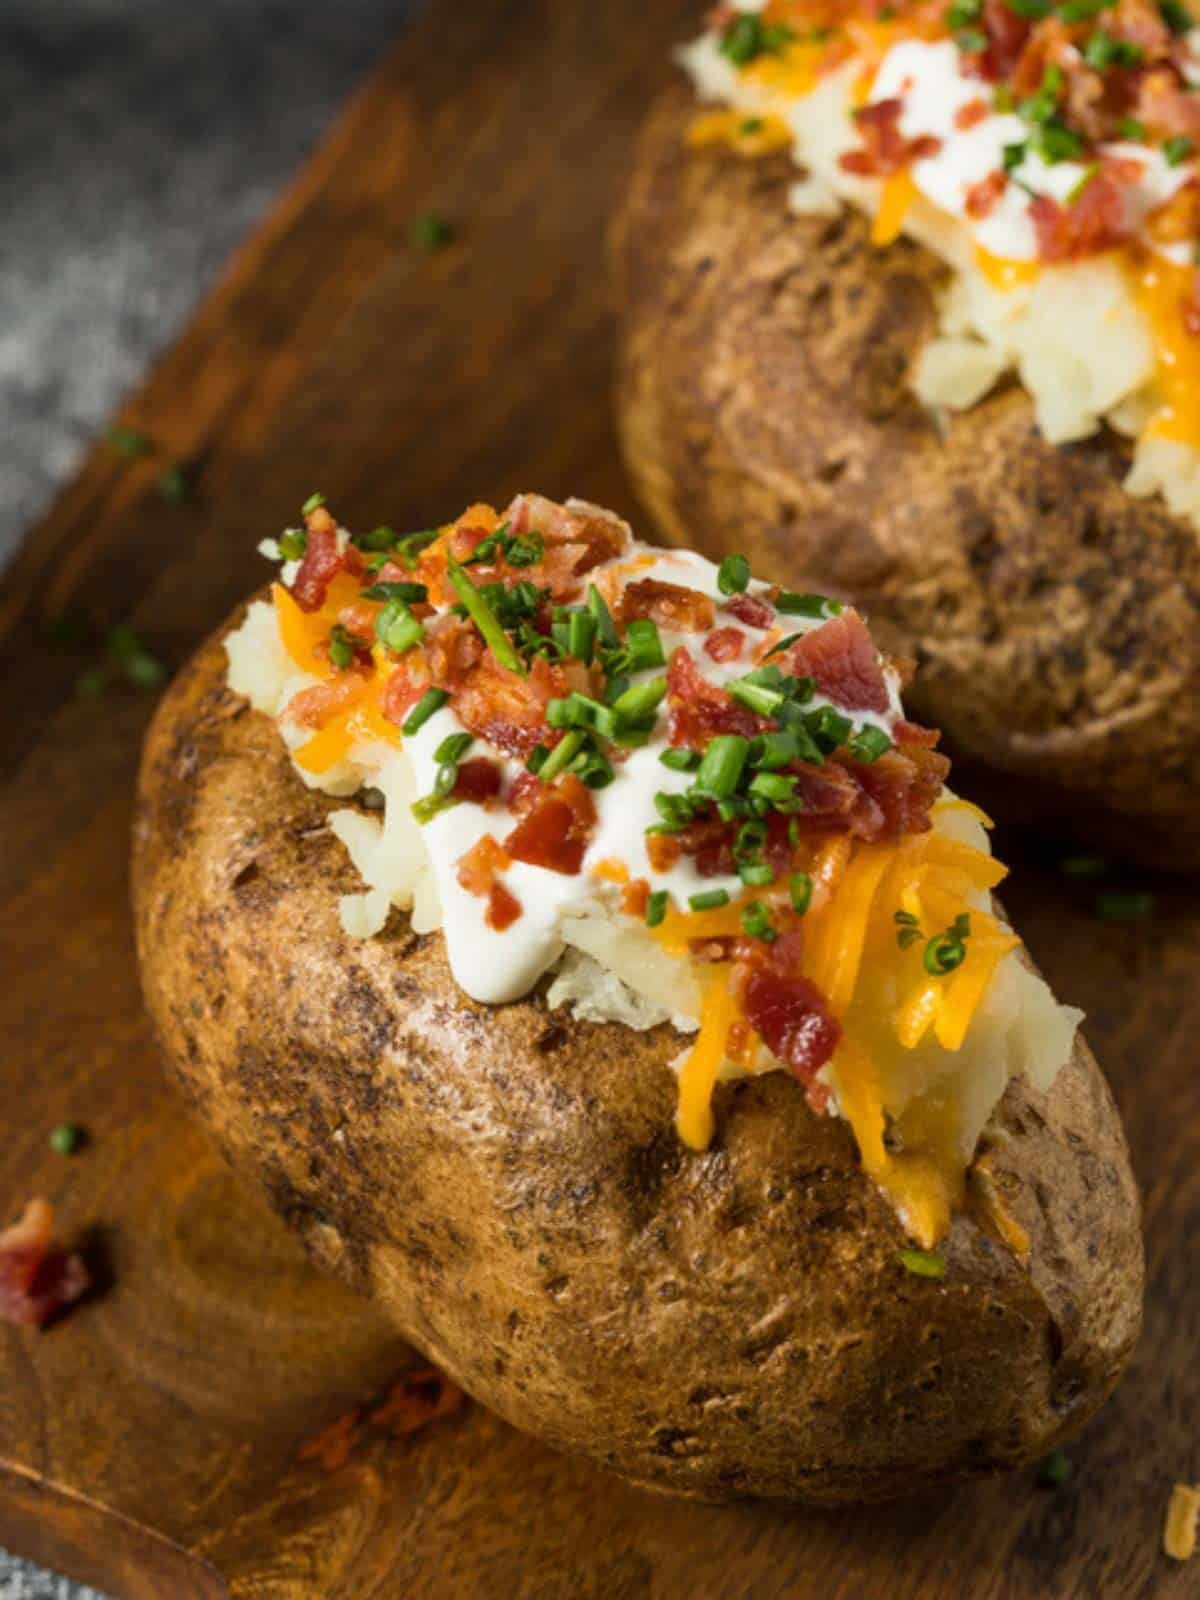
(582, 948)
(909, 307)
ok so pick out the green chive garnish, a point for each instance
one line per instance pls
(293, 542)
(1129, 907)
(425, 809)
(429, 232)
(565, 751)
(640, 701)
(800, 887)
(430, 702)
(868, 744)
(756, 874)
(605, 627)
(173, 484)
(482, 615)
(65, 1139)
(721, 765)
(1054, 1471)
(453, 747)
(656, 908)
(413, 594)
(680, 760)
(792, 604)
(923, 1263)
(1083, 866)
(579, 711)
(397, 628)
(644, 645)
(733, 575)
(1177, 150)
(757, 923)
(708, 900)
(313, 503)
(128, 442)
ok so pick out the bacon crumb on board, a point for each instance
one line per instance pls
(422, 1396)
(37, 1282)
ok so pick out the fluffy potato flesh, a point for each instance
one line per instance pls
(507, 1183)
(765, 396)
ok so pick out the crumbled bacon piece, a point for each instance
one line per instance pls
(313, 707)
(841, 658)
(503, 907)
(885, 149)
(748, 608)
(791, 1016)
(699, 709)
(1179, 219)
(404, 687)
(478, 780)
(671, 605)
(912, 733)
(969, 115)
(1095, 220)
(1167, 106)
(725, 644)
(635, 897)
(662, 851)
(983, 197)
(37, 1282)
(1007, 34)
(477, 869)
(419, 1398)
(554, 831)
(508, 711)
(576, 538)
(322, 561)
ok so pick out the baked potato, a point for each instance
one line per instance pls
(722, 1283)
(1011, 493)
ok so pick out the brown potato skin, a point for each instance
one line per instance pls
(764, 405)
(507, 1184)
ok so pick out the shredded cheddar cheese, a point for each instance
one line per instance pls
(1179, 1534)
(698, 1077)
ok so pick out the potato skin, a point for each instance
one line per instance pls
(764, 405)
(507, 1183)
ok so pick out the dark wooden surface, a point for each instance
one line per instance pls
(150, 1443)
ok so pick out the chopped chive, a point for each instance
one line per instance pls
(829, 725)
(453, 747)
(378, 540)
(793, 604)
(397, 629)
(771, 751)
(565, 751)
(410, 547)
(733, 575)
(756, 873)
(579, 711)
(1176, 15)
(1177, 150)
(708, 900)
(800, 888)
(293, 542)
(757, 923)
(756, 696)
(774, 786)
(907, 937)
(947, 951)
(971, 40)
(605, 627)
(721, 765)
(65, 1139)
(644, 645)
(413, 594)
(581, 636)
(343, 646)
(923, 1263)
(680, 760)
(1128, 907)
(1083, 866)
(425, 809)
(1054, 1471)
(1132, 129)
(640, 701)
(484, 618)
(656, 908)
(1014, 155)
(430, 232)
(676, 811)
(784, 644)
(1083, 10)
(905, 918)
(313, 503)
(593, 768)
(868, 744)
(430, 702)
(129, 442)
(173, 484)
(537, 759)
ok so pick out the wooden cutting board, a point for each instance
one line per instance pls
(151, 1442)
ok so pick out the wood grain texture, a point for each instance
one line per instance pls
(150, 1442)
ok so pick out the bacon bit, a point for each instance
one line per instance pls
(477, 867)
(671, 605)
(699, 709)
(885, 149)
(1096, 219)
(636, 896)
(322, 561)
(1007, 35)
(416, 1400)
(423, 1396)
(37, 1282)
(897, 792)
(971, 114)
(313, 707)
(479, 780)
(748, 608)
(503, 908)
(662, 851)
(334, 1445)
(790, 1014)
(404, 687)
(554, 832)
(1167, 106)
(913, 733)
(983, 197)
(1179, 218)
(725, 644)
(841, 658)
(576, 539)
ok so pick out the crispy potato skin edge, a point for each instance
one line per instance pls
(507, 1184)
(764, 404)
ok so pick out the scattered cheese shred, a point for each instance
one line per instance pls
(899, 192)
(698, 1077)
(1179, 1535)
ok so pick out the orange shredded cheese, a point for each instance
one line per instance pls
(1179, 1534)
(698, 1077)
(899, 192)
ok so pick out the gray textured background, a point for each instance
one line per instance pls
(139, 140)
